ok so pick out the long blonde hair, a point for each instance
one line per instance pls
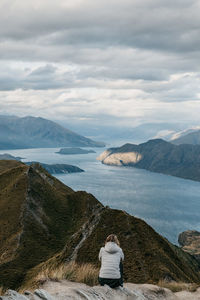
(112, 238)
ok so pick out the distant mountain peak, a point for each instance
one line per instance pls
(37, 132)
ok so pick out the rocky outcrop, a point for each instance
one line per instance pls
(190, 242)
(31, 132)
(69, 151)
(68, 290)
(58, 168)
(45, 224)
(75, 291)
(157, 156)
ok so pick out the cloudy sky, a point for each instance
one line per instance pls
(120, 62)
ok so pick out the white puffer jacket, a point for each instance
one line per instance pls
(110, 257)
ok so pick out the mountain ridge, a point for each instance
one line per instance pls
(158, 156)
(45, 224)
(192, 137)
(37, 132)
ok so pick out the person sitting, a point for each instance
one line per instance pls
(111, 257)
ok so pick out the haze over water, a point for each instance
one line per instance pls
(169, 204)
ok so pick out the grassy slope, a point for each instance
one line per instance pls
(149, 257)
(52, 220)
(44, 216)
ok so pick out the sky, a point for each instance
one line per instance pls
(112, 62)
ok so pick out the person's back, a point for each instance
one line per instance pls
(111, 256)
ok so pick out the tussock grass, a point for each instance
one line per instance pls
(82, 273)
(1, 291)
(178, 286)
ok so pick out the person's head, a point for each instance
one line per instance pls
(112, 238)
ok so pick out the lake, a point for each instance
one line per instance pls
(169, 204)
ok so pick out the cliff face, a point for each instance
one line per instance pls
(45, 224)
(157, 156)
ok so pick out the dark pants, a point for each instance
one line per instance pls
(113, 283)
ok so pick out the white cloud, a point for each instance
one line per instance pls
(117, 59)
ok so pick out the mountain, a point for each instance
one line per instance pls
(45, 225)
(51, 168)
(157, 156)
(7, 156)
(57, 168)
(187, 137)
(31, 132)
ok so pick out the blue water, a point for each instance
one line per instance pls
(169, 204)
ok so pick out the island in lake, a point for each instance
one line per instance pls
(74, 150)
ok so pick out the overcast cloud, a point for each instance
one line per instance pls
(129, 61)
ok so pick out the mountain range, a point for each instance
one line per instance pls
(32, 132)
(191, 136)
(157, 156)
(45, 225)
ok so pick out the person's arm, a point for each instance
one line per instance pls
(100, 254)
(122, 255)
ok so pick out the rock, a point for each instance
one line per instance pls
(185, 295)
(42, 294)
(66, 290)
(190, 242)
(13, 295)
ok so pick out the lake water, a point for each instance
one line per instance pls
(169, 204)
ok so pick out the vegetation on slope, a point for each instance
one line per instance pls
(157, 156)
(46, 227)
(37, 216)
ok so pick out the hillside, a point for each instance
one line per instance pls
(45, 224)
(157, 156)
(57, 168)
(31, 132)
(192, 137)
(35, 218)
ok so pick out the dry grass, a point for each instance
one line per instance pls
(1, 291)
(84, 273)
(178, 286)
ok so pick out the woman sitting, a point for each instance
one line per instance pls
(111, 257)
